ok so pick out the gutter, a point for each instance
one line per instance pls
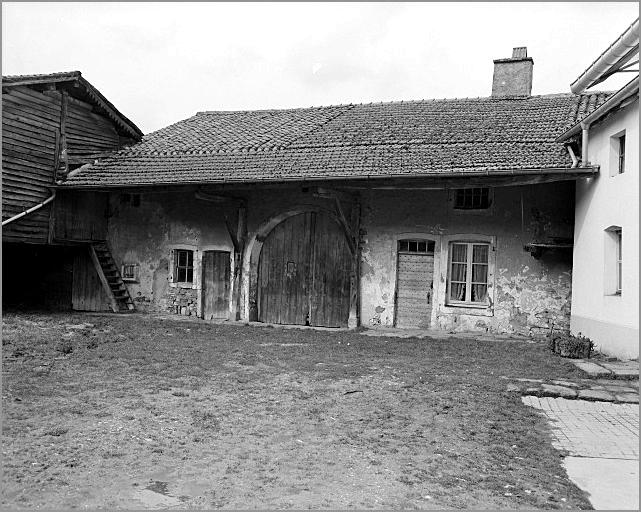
(30, 210)
(281, 180)
(619, 52)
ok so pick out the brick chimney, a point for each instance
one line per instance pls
(513, 77)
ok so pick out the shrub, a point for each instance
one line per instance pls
(568, 345)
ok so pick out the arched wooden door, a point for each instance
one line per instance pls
(304, 273)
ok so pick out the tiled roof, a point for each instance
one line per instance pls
(92, 94)
(414, 138)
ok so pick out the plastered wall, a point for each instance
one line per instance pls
(527, 295)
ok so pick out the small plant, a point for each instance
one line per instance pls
(65, 346)
(568, 345)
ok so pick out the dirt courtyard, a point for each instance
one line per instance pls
(131, 412)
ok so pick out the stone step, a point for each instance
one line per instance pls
(613, 370)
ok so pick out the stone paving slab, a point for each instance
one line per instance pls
(592, 369)
(586, 389)
(623, 368)
(596, 395)
(611, 484)
(613, 369)
(591, 429)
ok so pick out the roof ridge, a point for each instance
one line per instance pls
(395, 102)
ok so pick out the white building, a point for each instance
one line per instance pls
(605, 282)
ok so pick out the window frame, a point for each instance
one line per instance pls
(187, 267)
(469, 274)
(173, 276)
(430, 246)
(613, 261)
(452, 201)
(621, 154)
(136, 272)
(618, 233)
(441, 273)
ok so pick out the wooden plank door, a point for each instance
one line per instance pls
(414, 290)
(304, 273)
(331, 264)
(216, 283)
(284, 272)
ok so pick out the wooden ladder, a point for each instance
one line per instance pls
(110, 277)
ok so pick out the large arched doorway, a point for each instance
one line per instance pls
(304, 273)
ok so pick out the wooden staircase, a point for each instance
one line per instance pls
(110, 277)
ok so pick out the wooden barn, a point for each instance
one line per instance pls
(53, 242)
(453, 214)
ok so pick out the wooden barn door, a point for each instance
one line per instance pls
(414, 283)
(216, 276)
(331, 264)
(304, 273)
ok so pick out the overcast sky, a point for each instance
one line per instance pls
(162, 62)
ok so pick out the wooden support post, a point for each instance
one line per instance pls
(238, 238)
(355, 281)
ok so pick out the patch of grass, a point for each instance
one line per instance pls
(269, 405)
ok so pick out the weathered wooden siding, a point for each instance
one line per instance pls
(88, 134)
(87, 291)
(80, 216)
(37, 126)
(30, 135)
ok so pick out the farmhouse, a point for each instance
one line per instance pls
(606, 238)
(453, 214)
(51, 125)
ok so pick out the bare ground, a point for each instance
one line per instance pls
(133, 412)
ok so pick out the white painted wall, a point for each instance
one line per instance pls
(611, 199)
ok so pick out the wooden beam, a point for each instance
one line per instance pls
(345, 225)
(63, 136)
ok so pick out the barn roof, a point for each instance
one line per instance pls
(399, 139)
(79, 87)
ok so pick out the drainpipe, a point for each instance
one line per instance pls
(32, 209)
(575, 161)
(584, 144)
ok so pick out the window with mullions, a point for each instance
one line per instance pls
(467, 279)
(416, 246)
(472, 199)
(184, 266)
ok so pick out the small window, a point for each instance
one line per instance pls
(613, 278)
(416, 246)
(468, 273)
(130, 272)
(621, 154)
(472, 198)
(184, 266)
(619, 246)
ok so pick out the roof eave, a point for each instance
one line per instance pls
(94, 94)
(617, 53)
(113, 112)
(627, 91)
(552, 171)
